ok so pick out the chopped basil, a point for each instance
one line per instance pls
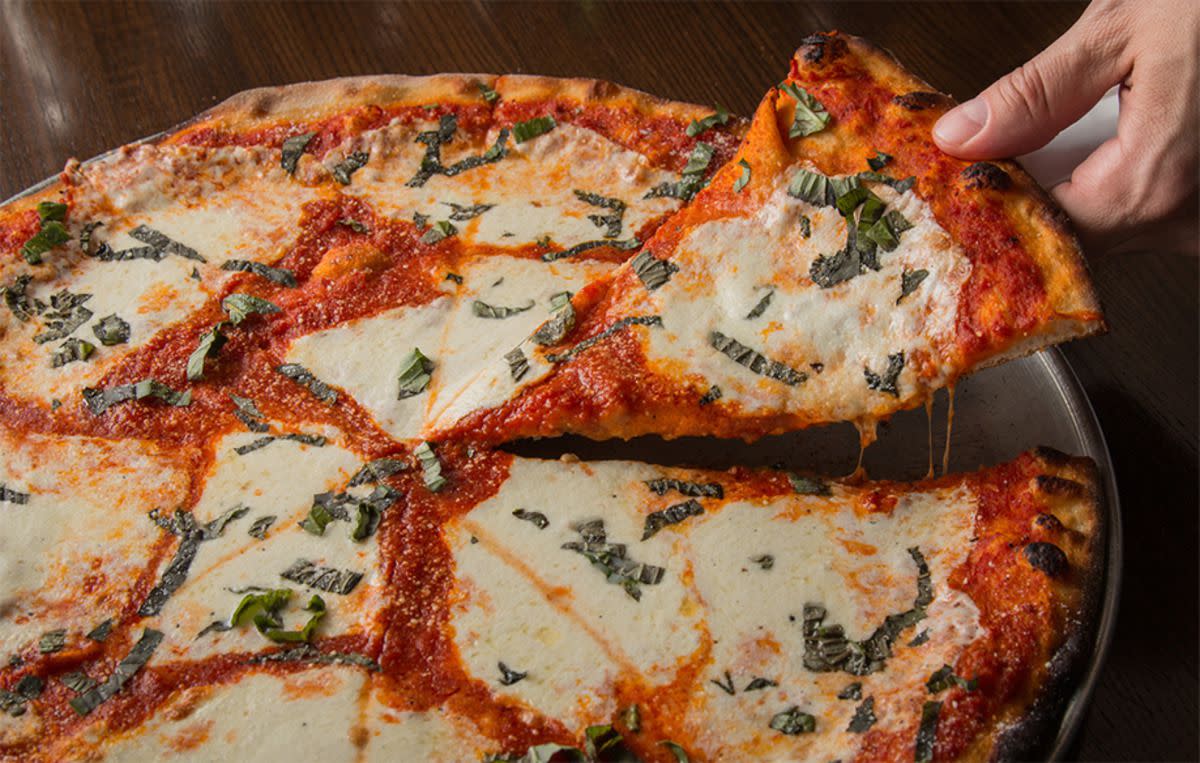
(415, 374)
(30, 686)
(886, 382)
(554, 330)
(886, 231)
(652, 271)
(343, 170)
(792, 722)
(67, 313)
(431, 467)
(77, 681)
(761, 307)
(900, 186)
(306, 653)
(712, 396)
(618, 325)
(810, 116)
(489, 95)
(879, 161)
(315, 605)
(663, 485)
(210, 343)
(755, 361)
(604, 738)
(532, 128)
(707, 123)
(315, 440)
(258, 528)
(632, 718)
(368, 511)
(808, 485)
(680, 754)
(536, 518)
(518, 364)
(17, 300)
(508, 676)
(760, 683)
(852, 691)
(70, 351)
(85, 236)
(671, 515)
(692, 179)
(625, 245)
(765, 561)
(354, 225)
(920, 638)
(52, 641)
(439, 231)
(927, 733)
(292, 148)
(377, 471)
(744, 178)
(726, 685)
(864, 717)
(431, 162)
(812, 187)
(281, 276)
(247, 412)
(944, 677)
(191, 535)
(100, 400)
(910, 280)
(302, 376)
(611, 223)
(101, 632)
(484, 310)
(9, 495)
(241, 306)
(462, 213)
(105, 253)
(161, 242)
(131, 664)
(329, 579)
(51, 232)
(317, 519)
(111, 330)
(805, 226)
(612, 560)
(455, 277)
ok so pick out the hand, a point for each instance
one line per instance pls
(1149, 170)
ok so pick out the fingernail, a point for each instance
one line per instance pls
(961, 123)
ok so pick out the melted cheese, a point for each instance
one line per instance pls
(531, 189)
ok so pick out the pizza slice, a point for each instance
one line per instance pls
(838, 268)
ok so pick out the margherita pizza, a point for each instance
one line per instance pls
(251, 371)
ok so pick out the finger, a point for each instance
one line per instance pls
(1024, 110)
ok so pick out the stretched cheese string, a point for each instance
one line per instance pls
(949, 428)
(867, 434)
(929, 433)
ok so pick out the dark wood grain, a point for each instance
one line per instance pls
(79, 78)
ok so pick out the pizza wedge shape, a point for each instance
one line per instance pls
(838, 268)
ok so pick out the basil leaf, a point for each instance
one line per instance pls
(927, 733)
(431, 467)
(680, 754)
(431, 162)
(462, 213)
(67, 314)
(812, 187)
(302, 376)
(131, 664)
(765, 561)
(805, 226)
(760, 683)
(354, 225)
(618, 325)
(70, 351)
(77, 681)
(632, 718)
(51, 234)
(415, 374)
(258, 528)
(247, 412)
(900, 186)
(377, 471)
(671, 515)
(699, 159)
(518, 364)
(328, 579)
(51, 211)
(792, 722)
(309, 654)
(536, 518)
(886, 382)
(755, 361)
(920, 638)
(101, 632)
(909, 281)
(292, 149)
(612, 559)
(712, 396)
(810, 116)
(280, 276)
(241, 306)
(698, 126)
(944, 677)
(163, 243)
(484, 310)
(439, 231)
(210, 344)
(610, 222)
(652, 271)
(761, 307)
(693, 176)
(268, 603)
(100, 400)
(864, 717)
(17, 300)
(343, 170)
(663, 485)
(744, 178)
(808, 485)
(489, 95)
(532, 128)
(316, 521)
(316, 605)
(508, 676)
(556, 329)
(879, 161)
(9, 495)
(852, 691)
(726, 686)
(52, 641)
(626, 245)
(111, 330)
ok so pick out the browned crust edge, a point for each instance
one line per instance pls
(1056, 249)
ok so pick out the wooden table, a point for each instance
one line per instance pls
(79, 78)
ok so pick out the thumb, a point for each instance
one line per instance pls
(1024, 110)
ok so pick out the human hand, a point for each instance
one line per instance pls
(1148, 172)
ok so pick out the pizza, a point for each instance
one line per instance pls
(839, 268)
(254, 371)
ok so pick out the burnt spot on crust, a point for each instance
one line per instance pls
(1047, 557)
(822, 47)
(919, 100)
(1051, 456)
(1048, 522)
(987, 175)
(1058, 486)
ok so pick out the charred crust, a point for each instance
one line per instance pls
(1051, 456)
(1048, 522)
(822, 47)
(1047, 558)
(1058, 486)
(920, 100)
(987, 175)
